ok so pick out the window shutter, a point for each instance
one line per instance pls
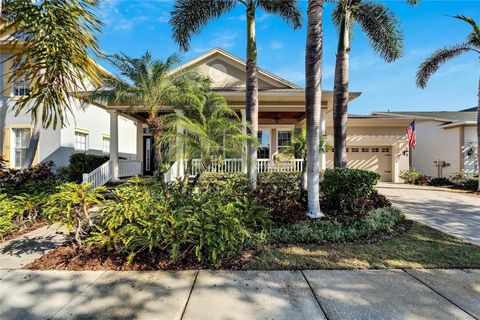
(6, 145)
(7, 73)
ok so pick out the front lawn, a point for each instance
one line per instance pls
(419, 247)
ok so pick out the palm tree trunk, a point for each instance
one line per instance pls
(313, 103)
(34, 140)
(478, 136)
(251, 95)
(340, 93)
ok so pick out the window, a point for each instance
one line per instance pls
(355, 149)
(20, 86)
(284, 140)
(385, 149)
(21, 142)
(365, 150)
(106, 145)
(81, 141)
(348, 150)
(375, 149)
(264, 144)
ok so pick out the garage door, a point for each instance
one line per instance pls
(378, 159)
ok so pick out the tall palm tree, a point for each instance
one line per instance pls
(441, 56)
(57, 36)
(146, 83)
(313, 103)
(189, 16)
(382, 28)
(210, 129)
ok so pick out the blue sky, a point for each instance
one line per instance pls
(133, 27)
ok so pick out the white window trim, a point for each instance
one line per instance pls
(87, 140)
(13, 144)
(291, 130)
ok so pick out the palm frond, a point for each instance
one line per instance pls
(58, 36)
(287, 9)
(439, 57)
(382, 28)
(189, 16)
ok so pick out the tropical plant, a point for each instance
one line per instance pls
(150, 85)
(71, 207)
(209, 130)
(313, 105)
(57, 37)
(382, 29)
(189, 16)
(430, 66)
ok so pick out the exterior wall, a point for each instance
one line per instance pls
(470, 141)
(470, 135)
(433, 144)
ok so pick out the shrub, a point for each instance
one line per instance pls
(377, 200)
(207, 225)
(440, 182)
(71, 207)
(345, 192)
(81, 163)
(13, 179)
(280, 191)
(465, 180)
(413, 176)
(234, 183)
(322, 231)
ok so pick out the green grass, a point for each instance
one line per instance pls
(420, 247)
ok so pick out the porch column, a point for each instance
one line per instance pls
(114, 143)
(140, 143)
(323, 130)
(179, 152)
(244, 147)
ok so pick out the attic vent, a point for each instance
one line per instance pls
(217, 72)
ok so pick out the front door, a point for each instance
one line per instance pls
(148, 156)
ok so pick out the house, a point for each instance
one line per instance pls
(88, 129)
(446, 141)
(377, 142)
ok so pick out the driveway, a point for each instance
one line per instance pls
(452, 213)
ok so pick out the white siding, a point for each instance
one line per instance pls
(435, 143)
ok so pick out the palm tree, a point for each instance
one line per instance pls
(382, 28)
(441, 56)
(313, 104)
(210, 129)
(57, 37)
(189, 16)
(150, 84)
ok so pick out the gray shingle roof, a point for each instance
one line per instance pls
(466, 115)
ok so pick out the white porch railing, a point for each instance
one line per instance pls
(129, 168)
(172, 173)
(235, 165)
(101, 175)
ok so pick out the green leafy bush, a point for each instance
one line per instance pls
(280, 191)
(71, 207)
(13, 180)
(207, 225)
(322, 231)
(465, 180)
(234, 183)
(440, 182)
(81, 163)
(345, 192)
(413, 176)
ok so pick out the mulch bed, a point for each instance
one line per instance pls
(22, 231)
(94, 258)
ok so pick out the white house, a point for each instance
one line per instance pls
(446, 141)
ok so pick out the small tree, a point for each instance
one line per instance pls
(433, 63)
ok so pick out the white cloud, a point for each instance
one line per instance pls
(275, 45)
(224, 40)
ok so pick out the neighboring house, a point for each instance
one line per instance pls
(88, 129)
(446, 141)
(377, 143)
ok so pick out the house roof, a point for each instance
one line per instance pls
(443, 116)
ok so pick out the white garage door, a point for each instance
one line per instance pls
(377, 158)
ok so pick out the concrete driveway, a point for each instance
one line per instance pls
(452, 213)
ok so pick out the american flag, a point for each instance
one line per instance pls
(412, 135)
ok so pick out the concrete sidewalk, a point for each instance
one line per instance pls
(323, 294)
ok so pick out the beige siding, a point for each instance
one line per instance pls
(435, 143)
